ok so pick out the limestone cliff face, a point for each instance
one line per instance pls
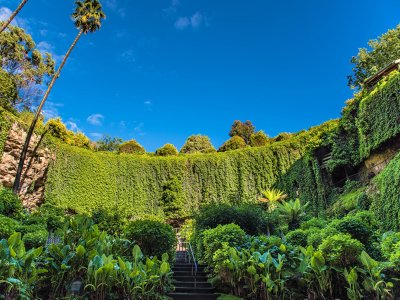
(35, 168)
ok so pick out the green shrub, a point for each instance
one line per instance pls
(341, 250)
(154, 238)
(259, 139)
(7, 226)
(35, 239)
(111, 222)
(251, 218)
(297, 237)
(212, 239)
(167, 150)
(172, 200)
(11, 204)
(389, 240)
(316, 236)
(234, 143)
(131, 147)
(313, 223)
(197, 144)
(355, 227)
(57, 128)
(55, 217)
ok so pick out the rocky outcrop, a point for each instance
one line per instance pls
(35, 168)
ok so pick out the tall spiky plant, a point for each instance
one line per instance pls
(13, 15)
(292, 212)
(87, 18)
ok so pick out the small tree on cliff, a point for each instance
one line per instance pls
(244, 130)
(87, 17)
(198, 144)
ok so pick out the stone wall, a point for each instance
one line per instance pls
(35, 168)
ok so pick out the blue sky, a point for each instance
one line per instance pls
(159, 71)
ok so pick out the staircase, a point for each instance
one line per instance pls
(190, 280)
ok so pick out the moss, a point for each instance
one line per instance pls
(346, 202)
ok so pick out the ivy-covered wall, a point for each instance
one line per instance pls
(368, 121)
(83, 180)
(385, 197)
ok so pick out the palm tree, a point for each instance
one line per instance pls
(20, 6)
(87, 17)
(292, 212)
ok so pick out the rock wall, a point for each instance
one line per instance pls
(35, 168)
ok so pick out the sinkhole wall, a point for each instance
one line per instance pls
(83, 180)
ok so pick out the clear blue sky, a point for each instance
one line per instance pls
(159, 71)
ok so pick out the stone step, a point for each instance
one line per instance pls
(190, 273)
(193, 296)
(187, 268)
(192, 284)
(200, 290)
(190, 278)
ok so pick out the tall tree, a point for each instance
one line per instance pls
(380, 52)
(87, 17)
(6, 23)
(244, 130)
(23, 64)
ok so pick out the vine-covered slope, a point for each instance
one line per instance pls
(83, 180)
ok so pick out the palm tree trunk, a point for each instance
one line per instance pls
(17, 181)
(20, 6)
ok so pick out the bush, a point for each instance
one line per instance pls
(259, 139)
(313, 223)
(35, 239)
(212, 239)
(341, 250)
(234, 143)
(10, 203)
(167, 150)
(297, 237)
(198, 144)
(7, 226)
(131, 147)
(251, 218)
(389, 240)
(355, 227)
(153, 237)
(111, 222)
(316, 236)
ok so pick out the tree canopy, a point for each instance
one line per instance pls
(380, 52)
(244, 130)
(235, 142)
(167, 150)
(198, 144)
(131, 147)
(108, 143)
(24, 68)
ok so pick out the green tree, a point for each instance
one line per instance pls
(380, 52)
(8, 90)
(198, 144)
(108, 143)
(81, 140)
(26, 68)
(87, 17)
(292, 212)
(167, 150)
(13, 15)
(259, 139)
(131, 147)
(58, 129)
(235, 142)
(172, 199)
(244, 130)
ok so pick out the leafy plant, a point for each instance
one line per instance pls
(292, 212)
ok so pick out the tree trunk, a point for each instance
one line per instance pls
(17, 181)
(20, 6)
